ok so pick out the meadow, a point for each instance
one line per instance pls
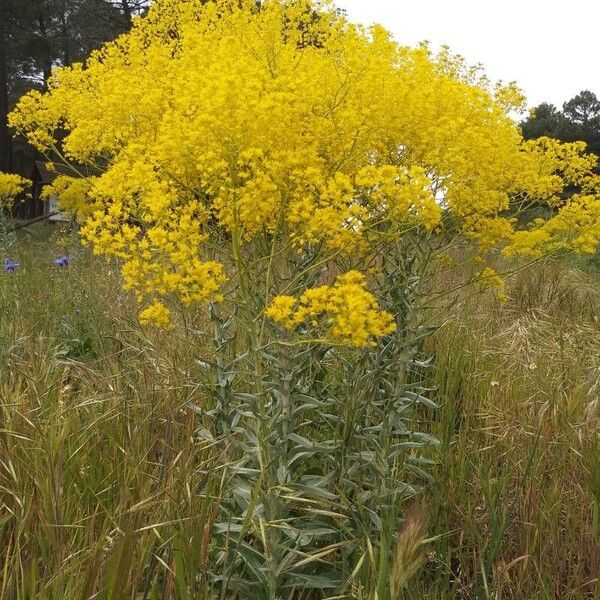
(107, 491)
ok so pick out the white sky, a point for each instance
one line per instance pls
(551, 48)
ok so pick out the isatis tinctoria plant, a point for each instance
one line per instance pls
(12, 187)
(304, 178)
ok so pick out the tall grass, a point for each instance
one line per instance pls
(518, 468)
(106, 492)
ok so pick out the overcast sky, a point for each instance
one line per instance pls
(550, 47)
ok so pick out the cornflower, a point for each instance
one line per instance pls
(63, 261)
(11, 265)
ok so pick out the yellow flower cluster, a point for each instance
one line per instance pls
(346, 309)
(405, 195)
(490, 279)
(575, 228)
(217, 121)
(73, 195)
(10, 187)
(156, 314)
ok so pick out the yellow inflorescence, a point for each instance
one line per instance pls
(490, 279)
(73, 195)
(290, 121)
(156, 314)
(10, 187)
(349, 312)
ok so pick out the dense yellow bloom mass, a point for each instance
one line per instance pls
(10, 187)
(224, 123)
(346, 309)
(73, 195)
(156, 314)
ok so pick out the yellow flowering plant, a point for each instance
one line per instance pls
(11, 186)
(221, 116)
(304, 176)
(352, 313)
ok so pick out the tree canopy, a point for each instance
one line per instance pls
(579, 120)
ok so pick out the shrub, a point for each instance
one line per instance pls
(306, 178)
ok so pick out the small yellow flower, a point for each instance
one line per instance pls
(349, 313)
(10, 187)
(156, 314)
(281, 309)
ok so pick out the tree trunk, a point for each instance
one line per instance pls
(66, 46)
(5, 139)
(126, 9)
(47, 59)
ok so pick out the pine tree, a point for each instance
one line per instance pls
(37, 35)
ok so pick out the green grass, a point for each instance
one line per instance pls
(106, 493)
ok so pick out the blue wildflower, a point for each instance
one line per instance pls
(63, 261)
(11, 265)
